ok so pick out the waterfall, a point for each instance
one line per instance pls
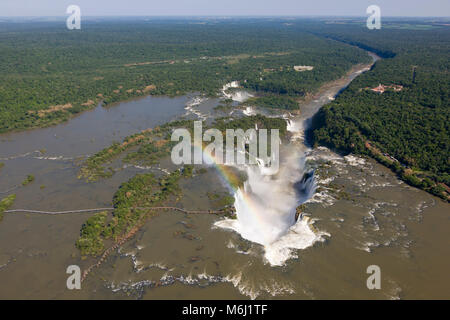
(266, 204)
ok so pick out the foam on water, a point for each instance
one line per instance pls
(249, 111)
(295, 127)
(190, 107)
(354, 161)
(237, 95)
(300, 236)
(244, 286)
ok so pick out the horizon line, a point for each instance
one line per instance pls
(224, 16)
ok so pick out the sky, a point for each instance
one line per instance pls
(38, 8)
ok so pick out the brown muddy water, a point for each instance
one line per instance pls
(366, 216)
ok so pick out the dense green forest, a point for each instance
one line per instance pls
(49, 73)
(283, 102)
(408, 129)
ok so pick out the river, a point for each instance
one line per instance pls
(363, 215)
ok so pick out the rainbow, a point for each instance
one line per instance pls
(232, 182)
(230, 178)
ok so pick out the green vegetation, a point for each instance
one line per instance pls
(220, 200)
(6, 203)
(29, 179)
(188, 171)
(251, 122)
(90, 242)
(149, 146)
(246, 123)
(225, 106)
(151, 152)
(408, 130)
(141, 191)
(146, 190)
(2, 165)
(48, 74)
(274, 102)
(152, 145)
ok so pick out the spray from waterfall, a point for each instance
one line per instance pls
(266, 204)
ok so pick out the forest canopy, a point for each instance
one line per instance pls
(406, 129)
(49, 73)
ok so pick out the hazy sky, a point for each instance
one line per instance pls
(224, 7)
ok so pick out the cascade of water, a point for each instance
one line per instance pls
(266, 204)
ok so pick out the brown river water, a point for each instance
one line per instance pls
(373, 219)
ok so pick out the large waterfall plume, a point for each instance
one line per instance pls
(266, 204)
